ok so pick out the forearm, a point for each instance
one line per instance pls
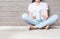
(46, 15)
(30, 14)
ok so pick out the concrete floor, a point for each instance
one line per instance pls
(22, 32)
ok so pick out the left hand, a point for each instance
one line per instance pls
(44, 16)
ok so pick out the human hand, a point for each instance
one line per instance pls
(34, 17)
(44, 16)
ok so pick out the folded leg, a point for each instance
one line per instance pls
(49, 21)
(29, 19)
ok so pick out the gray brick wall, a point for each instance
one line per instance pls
(11, 11)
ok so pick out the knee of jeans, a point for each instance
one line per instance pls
(24, 16)
(55, 16)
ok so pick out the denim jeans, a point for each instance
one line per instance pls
(40, 22)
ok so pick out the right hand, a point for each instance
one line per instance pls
(34, 17)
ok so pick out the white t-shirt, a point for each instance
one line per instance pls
(39, 10)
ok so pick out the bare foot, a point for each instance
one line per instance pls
(47, 27)
(32, 28)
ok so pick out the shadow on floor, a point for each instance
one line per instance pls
(54, 27)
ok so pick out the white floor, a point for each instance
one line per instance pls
(22, 32)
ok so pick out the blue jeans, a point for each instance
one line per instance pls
(41, 22)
